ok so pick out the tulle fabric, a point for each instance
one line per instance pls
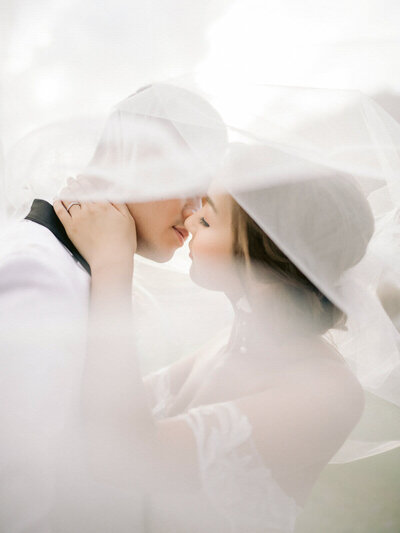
(277, 151)
(283, 147)
(237, 483)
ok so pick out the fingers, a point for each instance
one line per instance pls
(72, 196)
(122, 208)
(81, 189)
(74, 191)
(61, 212)
(84, 188)
(78, 190)
(87, 184)
(73, 207)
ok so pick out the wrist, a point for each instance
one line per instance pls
(112, 283)
(117, 266)
(112, 275)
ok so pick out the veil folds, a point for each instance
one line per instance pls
(317, 170)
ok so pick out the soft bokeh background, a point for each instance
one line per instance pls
(61, 59)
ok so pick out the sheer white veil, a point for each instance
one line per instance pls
(186, 136)
(317, 170)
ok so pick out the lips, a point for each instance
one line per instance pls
(182, 233)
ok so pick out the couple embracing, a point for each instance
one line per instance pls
(234, 436)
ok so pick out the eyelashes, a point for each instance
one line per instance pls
(204, 222)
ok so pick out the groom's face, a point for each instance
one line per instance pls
(160, 226)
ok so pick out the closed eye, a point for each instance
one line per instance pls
(204, 222)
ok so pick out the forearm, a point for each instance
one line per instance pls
(111, 287)
(117, 417)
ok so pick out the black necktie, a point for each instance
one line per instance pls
(43, 213)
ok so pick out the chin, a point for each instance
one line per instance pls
(157, 255)
(164, 258)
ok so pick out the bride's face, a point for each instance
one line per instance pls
(211, 244)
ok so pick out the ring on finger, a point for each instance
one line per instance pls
(71, 205)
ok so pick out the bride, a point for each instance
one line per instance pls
(233, 437)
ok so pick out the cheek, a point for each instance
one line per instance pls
(152, 223)
(212, 263)
(158, 215)
(209, 244)
(167, 210)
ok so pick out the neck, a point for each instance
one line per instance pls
(265, 319)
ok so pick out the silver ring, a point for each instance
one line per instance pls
(72, 204)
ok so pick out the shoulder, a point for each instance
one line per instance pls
(25, 236)
(29, 250)
(38, 273)
(331, 369)
(328, 378)
(316, 399)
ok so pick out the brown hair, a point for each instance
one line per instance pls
(252, 247)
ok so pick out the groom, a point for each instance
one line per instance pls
(44, 297)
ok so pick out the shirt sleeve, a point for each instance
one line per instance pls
(41, 360)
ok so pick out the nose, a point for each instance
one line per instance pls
(190, 207)
(189, 223)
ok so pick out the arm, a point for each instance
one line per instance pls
(163, 385)
(40, 329)
(301, 422)
(115, 401)
(39, 367)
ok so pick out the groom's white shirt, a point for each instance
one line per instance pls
(44, 301)
(44, 297)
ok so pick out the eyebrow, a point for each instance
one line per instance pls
(208, 200)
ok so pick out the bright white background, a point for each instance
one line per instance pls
(62, 58)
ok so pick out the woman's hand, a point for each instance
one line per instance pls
(104, 233)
